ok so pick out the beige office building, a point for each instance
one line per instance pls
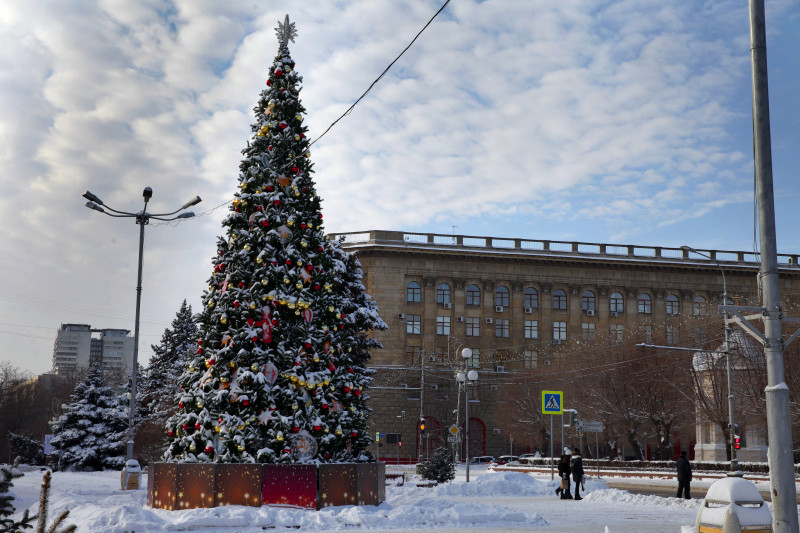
(513, 302)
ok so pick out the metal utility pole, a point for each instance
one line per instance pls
(781, 464)
(421, 398)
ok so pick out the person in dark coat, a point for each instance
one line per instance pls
(563, 473)
(577, 472)
(684, 476)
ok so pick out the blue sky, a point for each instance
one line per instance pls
(600, 121)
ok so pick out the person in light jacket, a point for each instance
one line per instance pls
(684, 468)
(577, 472)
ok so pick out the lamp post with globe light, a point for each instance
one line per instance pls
(731, 422)
(466, 377)
(142, 218)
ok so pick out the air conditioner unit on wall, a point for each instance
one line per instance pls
(447, 306)
(495, 431)
(435, 387)
(500, 368)
(498, 308)
(614, 313)
(401, 315)
(431, 358)
(556, 341)
(489, 320)
(546, 363)
(459, 319)
(590, 312)
(529, 310)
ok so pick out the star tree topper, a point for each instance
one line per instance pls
(286, 31)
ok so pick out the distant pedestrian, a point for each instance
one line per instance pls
(577, 472)
(684, 476)
(563, 473)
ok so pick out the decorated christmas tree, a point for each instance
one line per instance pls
(278, 374)
(91, 432)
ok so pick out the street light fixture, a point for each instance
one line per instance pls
(466, 378)
(142, 218)
(735, 472)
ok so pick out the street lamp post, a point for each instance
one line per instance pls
(735, 472)
(142, 218)
(466, 377)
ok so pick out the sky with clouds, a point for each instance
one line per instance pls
(617, 121)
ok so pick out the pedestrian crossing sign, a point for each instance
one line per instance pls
(552, 402)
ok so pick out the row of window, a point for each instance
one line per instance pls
(502, 297)
(502, 329)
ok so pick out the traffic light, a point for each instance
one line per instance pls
(737, 441)
(422, 427)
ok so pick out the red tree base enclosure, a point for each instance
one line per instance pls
(174, 486)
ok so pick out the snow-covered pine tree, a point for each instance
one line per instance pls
(159, 383)
(160, 380)
(91, 432)
(28, 450)
(278, 374)
(441, 468)
(7, 475)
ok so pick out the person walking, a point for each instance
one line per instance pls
(577, 472)
(563, 473)
(684, 468)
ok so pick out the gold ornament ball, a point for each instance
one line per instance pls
(240, 427)
(287, 281)
(290, 223)
(297, 312)
(279, 437)
(252, 305)
(259, 260)
(295, 407)
(264, 282)
(330, 309)
(240, 448)
(217, 429)
(338, 431)
(304, 244)
(192, 447)
(246, 247)
(254, 367)
(299, 284)
(224, 319)
(211, 304)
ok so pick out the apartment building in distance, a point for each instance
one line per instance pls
(79, 346)
(513, 302)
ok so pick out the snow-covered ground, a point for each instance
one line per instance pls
(490, 502)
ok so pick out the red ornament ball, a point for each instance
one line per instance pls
(184, 427)
(303, 224)
(211, 362)
(270, 188)
(265, 223)
(171, 433)
(199, 341)
(354, 433)
(278, 72)
(180, 404)
(350, 370)
(295, 169)
(209, 449)
(295, 429)
(317, 428)
(277, 202)
(288, 262)
(274, 321)
(241, 284)
(199, 350)
(324, 405)
(197, 425)
(316, 286)
(357, 392)
(245, 402)
(269, 83)
(236, 303)
(307, 345)
(346, 389)
(283, 125)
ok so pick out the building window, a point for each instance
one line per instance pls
(414, 292)
(673, 306)
(587, 301)
(501, 328)
(617, 333)
(413, 324)
(531, 298)
(531, 329)
(700, 336)
(443, 325)
(559, 299)
(699, 307)
(587, 331)
(559, 331)
(475, 360)
(645, 304)
(648, 334)
(616, 304)
(530, 359)
(413, 354)
(473, 326)
(672, 335)
(473, 295)
(443, 293)
(501, 296)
